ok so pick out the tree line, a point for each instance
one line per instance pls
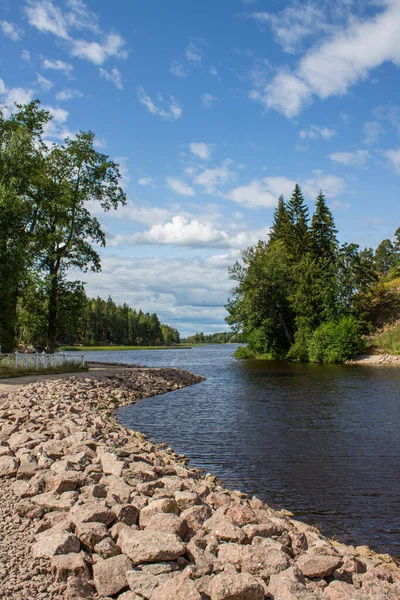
(221, 337)
(47, 229)
(302, 295)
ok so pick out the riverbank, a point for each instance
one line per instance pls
(376, 360)
(89, 509)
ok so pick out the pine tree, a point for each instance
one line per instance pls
(298, 232)
(324, 243)
(279, 229)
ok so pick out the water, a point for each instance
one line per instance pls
(321, 441)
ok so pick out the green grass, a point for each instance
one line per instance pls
(113, 348)
(389, 341)
(8, 372)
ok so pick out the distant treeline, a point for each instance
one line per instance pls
(222, 337)
(90, 322)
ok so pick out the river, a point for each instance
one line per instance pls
(321, 441)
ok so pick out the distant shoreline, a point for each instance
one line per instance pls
(376, 360)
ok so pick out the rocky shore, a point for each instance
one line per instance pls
(91, 510)
(376, 360)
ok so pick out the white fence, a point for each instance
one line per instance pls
(41, 361)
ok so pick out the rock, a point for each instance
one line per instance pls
(177, 588)
(91, 534)
(27, 467)
(52, 501)
(169, 523)
(163, 505)
(157, 568)
(195, 517)
(241, 515)
(68, 481)
(289, 585)
(111, 465)
(150, 546)
(129, 596)
(238, 586)
(260, 530)
(126, 513)
(51, 543)
(8, 466)
(185, 500)
(79, 588)
(67, 565)
(92, 512)
(107, 548)
(118, 490)
(318, 565)
(338, 590)
(256, 560)
(144, 584)
(110, 575)
(223, 529)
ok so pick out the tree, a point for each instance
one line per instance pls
(280, 224)
(73, 174)
(298, 233)
(324, 243)
(385, 257)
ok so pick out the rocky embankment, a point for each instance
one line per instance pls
(90, 510)
(376, 360)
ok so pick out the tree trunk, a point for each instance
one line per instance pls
(52, 312)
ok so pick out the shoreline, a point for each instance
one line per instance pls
(91, 509)
(376, 360)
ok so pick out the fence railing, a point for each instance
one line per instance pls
(41, 360)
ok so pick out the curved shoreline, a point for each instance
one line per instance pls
(83, 501)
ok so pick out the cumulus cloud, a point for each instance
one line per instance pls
(179, 187)
(177, 69)
(394, 159)
(26, 55)
(68, 94)
(12, 96)
(58, 65)
(11, 31)
(145, 181)
(172, 113)
(201, 150)
(193, 54)
(44, 83)
(372, 132)
(315, 131)
(208, 100)
(357, 158)
(212, 179)
(330, 68)
(46, 17)
(114, 76)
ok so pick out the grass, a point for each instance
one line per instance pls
(388, 341)
(114, 348)
(8, 372)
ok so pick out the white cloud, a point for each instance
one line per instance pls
(178, 186)
(11, 31)
(208, 100)
(332, 67)
(145, 181)
(201, 150)
(97, 53)
(68, 94)
(56, 130)
(173, 112)
(46, 17)
(58, 65)
(315, 131)
(190, 233)
(330, 185)
(372, 132)
(26, 55)
(80, 17)
(357, 158)
(12, 96)
(193, 54)
(114, 76)
(339, 205)
(2, 87)
(294, 24)
(212, 179)
(122, 161)
(394, 159)
(261, 193)
(177, 69)
(213, 71)
(44, 83)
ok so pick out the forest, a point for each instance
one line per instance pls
(47, 231)
(221, 337)
(304, 296)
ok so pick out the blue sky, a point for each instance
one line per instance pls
(213, 109)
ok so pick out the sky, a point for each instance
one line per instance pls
(213, 108)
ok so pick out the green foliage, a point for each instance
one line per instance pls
(388, 341)
(335, 341)
(221, 337)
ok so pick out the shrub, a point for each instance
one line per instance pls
(336, 341)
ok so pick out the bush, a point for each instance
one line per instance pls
(336, 341)
(243, 352)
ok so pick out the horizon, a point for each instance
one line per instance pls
(210, 128)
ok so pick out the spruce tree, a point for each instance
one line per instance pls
(279, 229)
(298, 232)
(324, 243)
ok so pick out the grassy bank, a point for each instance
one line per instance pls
(8, 372)
(114, 348)
(389, 341)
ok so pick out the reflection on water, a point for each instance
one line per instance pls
(322, 441)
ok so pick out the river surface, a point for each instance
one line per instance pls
(321, 441)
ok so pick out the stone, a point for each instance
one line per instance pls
(110, 575)
(111, 465)
(68, 481)
(67, 565)
(177, 588)
(51, 543)
(117, 490)
(8, 466)
(318, 565)
(129, 596)
(339, 590)
(260, 530)
(52, 501)
(195, 517)
(150, 546)
(91, 534)
(224, 529)
(79, 588)
(241, 515)
(144, 584)
(157, 568)
(163, 505)
(256, 560)
(27, 467)
(289, 585)
(185, 500)
(107, 548)
(169, 523)
(236, 586)
(126, 513)
(92, 512)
